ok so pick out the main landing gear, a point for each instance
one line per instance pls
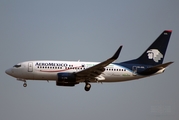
(25, 84)
(87, 86)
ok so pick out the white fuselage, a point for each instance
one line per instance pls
(48, 70)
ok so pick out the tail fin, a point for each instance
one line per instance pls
(155, 54)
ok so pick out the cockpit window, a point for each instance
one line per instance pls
(17, 66)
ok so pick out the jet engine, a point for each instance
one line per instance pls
(66, 79)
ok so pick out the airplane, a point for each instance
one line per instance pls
(71, 73)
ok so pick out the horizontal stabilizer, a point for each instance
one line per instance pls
(154, 69)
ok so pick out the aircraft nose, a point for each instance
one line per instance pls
(9, 71)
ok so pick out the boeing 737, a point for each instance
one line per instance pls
(70, 73)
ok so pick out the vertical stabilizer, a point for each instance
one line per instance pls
(155, 54)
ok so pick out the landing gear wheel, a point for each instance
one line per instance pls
(87, 87)
(25, 84)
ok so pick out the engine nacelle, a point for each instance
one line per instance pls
(66, 79)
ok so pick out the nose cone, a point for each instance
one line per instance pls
(9, 71)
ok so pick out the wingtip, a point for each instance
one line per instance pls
(116, 55)
(120, 47)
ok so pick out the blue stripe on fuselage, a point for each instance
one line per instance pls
(130, 67)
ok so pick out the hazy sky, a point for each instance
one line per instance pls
(87, 30)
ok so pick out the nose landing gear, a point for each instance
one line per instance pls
(23, 80)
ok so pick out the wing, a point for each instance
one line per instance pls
(96, 70)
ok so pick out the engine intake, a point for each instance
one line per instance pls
(66, 79)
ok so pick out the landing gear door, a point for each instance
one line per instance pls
(30, 67)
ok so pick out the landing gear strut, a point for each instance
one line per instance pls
(87, 86)
(25, 84)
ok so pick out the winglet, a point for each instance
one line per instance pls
(116, 55)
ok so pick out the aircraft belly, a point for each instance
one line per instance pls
(45, 76)
(120, 78)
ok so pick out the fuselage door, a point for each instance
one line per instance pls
(137, 69)
(134, 69)
(30, 67)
